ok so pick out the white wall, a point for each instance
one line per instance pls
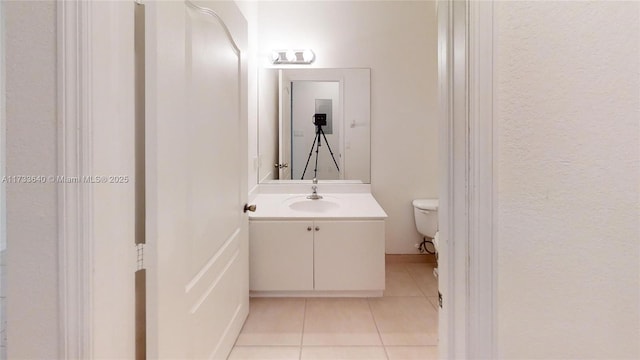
(568, 110)
(30, 30)
(397, 40)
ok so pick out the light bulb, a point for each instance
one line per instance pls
(275, 56)
(308, 56)
(291, 56)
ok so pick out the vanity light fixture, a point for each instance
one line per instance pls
(293, 56)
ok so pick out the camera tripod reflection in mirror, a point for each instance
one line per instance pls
(319, 120)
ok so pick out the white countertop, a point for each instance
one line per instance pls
(343, 206)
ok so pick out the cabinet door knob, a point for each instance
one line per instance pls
(317, 228)
(248, 207)
(308, 228)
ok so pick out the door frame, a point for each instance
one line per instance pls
(468, 200)
(81, 149)
(467, 164)
(75, 205)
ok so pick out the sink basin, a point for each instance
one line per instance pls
(314, 206)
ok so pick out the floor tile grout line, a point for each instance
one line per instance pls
(417, 284)
(405, 267)
(304, 319)
(406, 271)
(377, 329)
(267, 346)
(355, 346)
(411, 346)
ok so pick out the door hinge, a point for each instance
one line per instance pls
(140, 256)
(440, 299)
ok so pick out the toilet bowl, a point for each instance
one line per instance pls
(425, 213)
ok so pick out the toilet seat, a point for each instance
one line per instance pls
(426, 204)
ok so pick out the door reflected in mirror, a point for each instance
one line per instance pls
(314, 123)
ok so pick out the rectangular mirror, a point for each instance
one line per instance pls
(314, 123)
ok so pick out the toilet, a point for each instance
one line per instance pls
(425, 213)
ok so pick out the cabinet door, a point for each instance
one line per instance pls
(349, 255)
(281, 255)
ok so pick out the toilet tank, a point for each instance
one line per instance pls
(425, 212)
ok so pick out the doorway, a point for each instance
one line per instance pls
(78, 293)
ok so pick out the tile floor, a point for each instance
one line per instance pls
(403, 324)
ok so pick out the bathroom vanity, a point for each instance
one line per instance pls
(334, 246)
(328, 247)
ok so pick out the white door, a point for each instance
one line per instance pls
(285, 127)
(197, 238)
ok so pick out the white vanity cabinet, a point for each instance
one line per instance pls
(316, 256)
(348, 255)
(280, 255)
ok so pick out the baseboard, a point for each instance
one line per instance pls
(316, 293)
(410, 258)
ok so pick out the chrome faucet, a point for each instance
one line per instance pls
(314, 195)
